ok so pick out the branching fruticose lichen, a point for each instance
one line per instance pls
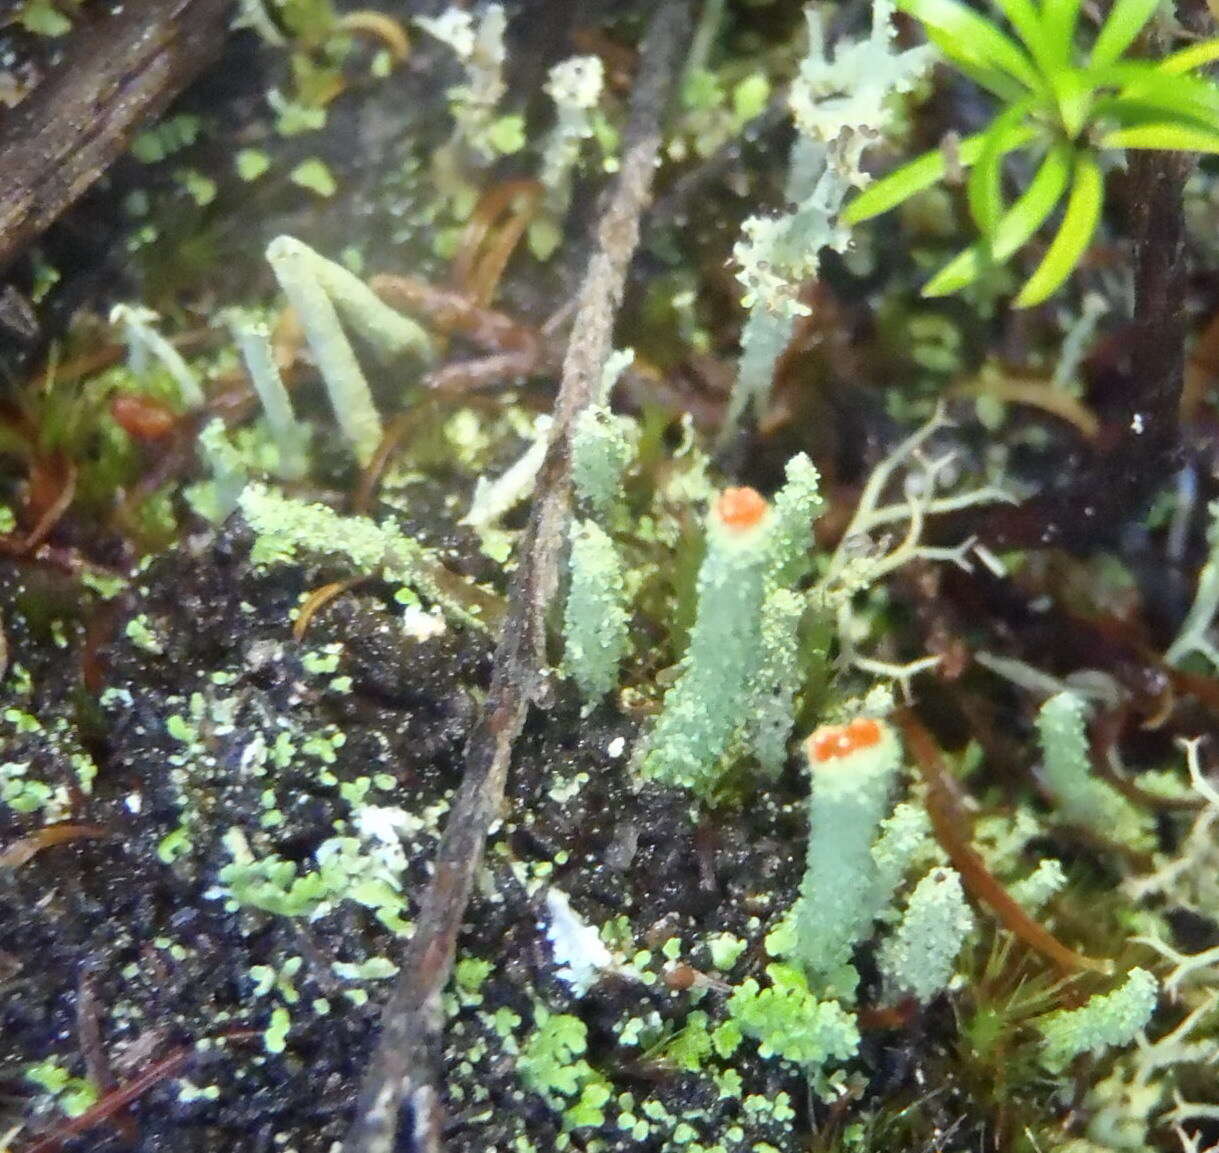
(841, 107)
(480, 134)
(575, 86)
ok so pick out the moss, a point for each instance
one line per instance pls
(372, 969)
(251, 163)
(689, 1047)
(288, 530)
(169, 136)
(788, 1022)
(347, 870)
(725, 949)
(470, 973)
(315, 176)
(20, 793)
(275, 1036)
(72, 1095)
(142, 635)
(551, 1064)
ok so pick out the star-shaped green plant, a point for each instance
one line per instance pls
(1068, 106)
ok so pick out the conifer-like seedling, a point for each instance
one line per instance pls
(1070, 107)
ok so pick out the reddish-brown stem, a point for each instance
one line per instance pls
(452, 311)
(25, 849)
(113, 1101)
(501, 200)
(950, 823)
(54, 513)
(318, 600)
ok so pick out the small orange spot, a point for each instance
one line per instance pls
(821, 744)
(741, 508)
(680, 977)
(864, 733)
(831, 741)
(142, 418)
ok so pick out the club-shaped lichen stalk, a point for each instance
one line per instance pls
(346, 385)
(701, 710)
(144, 341)
(290, 436)
(319, 290)
(853, 769)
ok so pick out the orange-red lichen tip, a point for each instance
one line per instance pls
(832, 741)
(741, 508)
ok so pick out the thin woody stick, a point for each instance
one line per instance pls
(398, 1079)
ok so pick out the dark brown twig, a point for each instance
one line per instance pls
(89, 1014)
(116, 74)
(89, 1032)
(118, 1098)
(399, 1074)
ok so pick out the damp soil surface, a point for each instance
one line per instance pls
(117, 937)
(185, 724)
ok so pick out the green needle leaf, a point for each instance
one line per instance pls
(921, 173)
(1175, 92)
(1163, 135)
(1060, 19)
(984, 190)
(1190, 58)
(1138, 112)
(995, 82)
(971, 39)
(1023, 16)
(1079, 223)
(1146, 95)
(1074, 96)
(1125, 22)
(896, 187)
(1016, 226)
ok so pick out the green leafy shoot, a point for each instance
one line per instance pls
(1064, 104)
